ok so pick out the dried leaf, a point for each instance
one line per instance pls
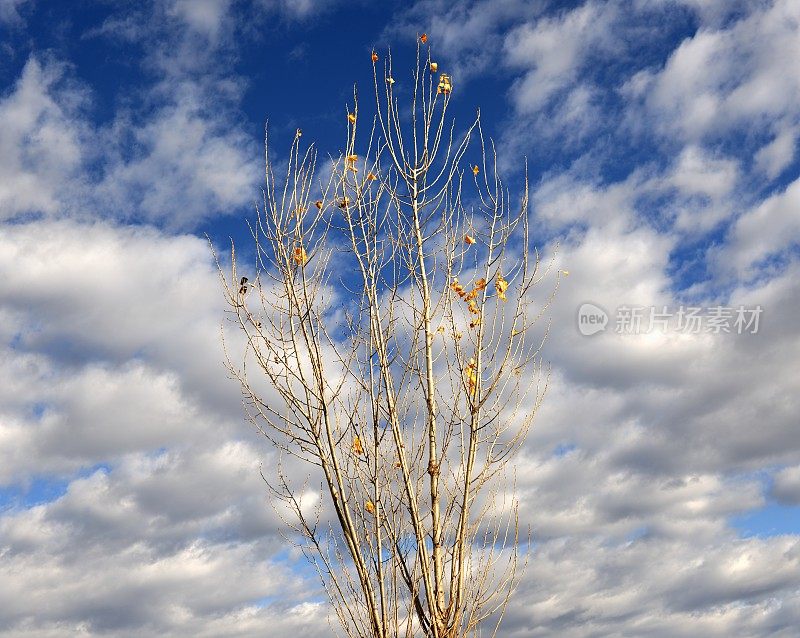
(344, 202)
(374, 56)
(357, 447)
(371, 177)
(475, 170)
(370, 507)
(390, 80)
(501, 285)
(352, 158)
(351, 117)
(300, 257)
(423, 38)
(434, 67)
(469, 239)
(318, 204)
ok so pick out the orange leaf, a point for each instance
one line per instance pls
(318, 204)
(434, 67)
(300, 256)
(351, 118)
(475, 170)
(423, 38)
(371, 177)
(469, 239)
(352, 158)
(374, 56)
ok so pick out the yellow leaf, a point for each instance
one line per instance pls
(371, 177)
(475, 170)
(352, 158)
(300, 256)
(390, 80)
(434, 67)
(501, 285)
(480, 284)
(357, 447)
(370, 507)
(351, 118)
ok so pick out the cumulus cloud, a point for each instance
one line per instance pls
(554, 50)
(646, 448)
(99, 343)
(727, 77)
(767, 230)
(41, 141)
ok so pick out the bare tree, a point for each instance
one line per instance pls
(391, 313)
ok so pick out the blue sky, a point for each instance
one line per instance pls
(662, 477)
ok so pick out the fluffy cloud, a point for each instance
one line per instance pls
(40, 142)
(728, 77)
(133, 503)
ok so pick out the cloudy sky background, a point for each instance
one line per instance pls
(662, 478)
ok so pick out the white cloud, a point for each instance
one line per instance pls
(728, 77)
(204, 16)
(554, 50)
(40, 141)
(772, 158)
(9, 11)
(764, 231)
(189, 164)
